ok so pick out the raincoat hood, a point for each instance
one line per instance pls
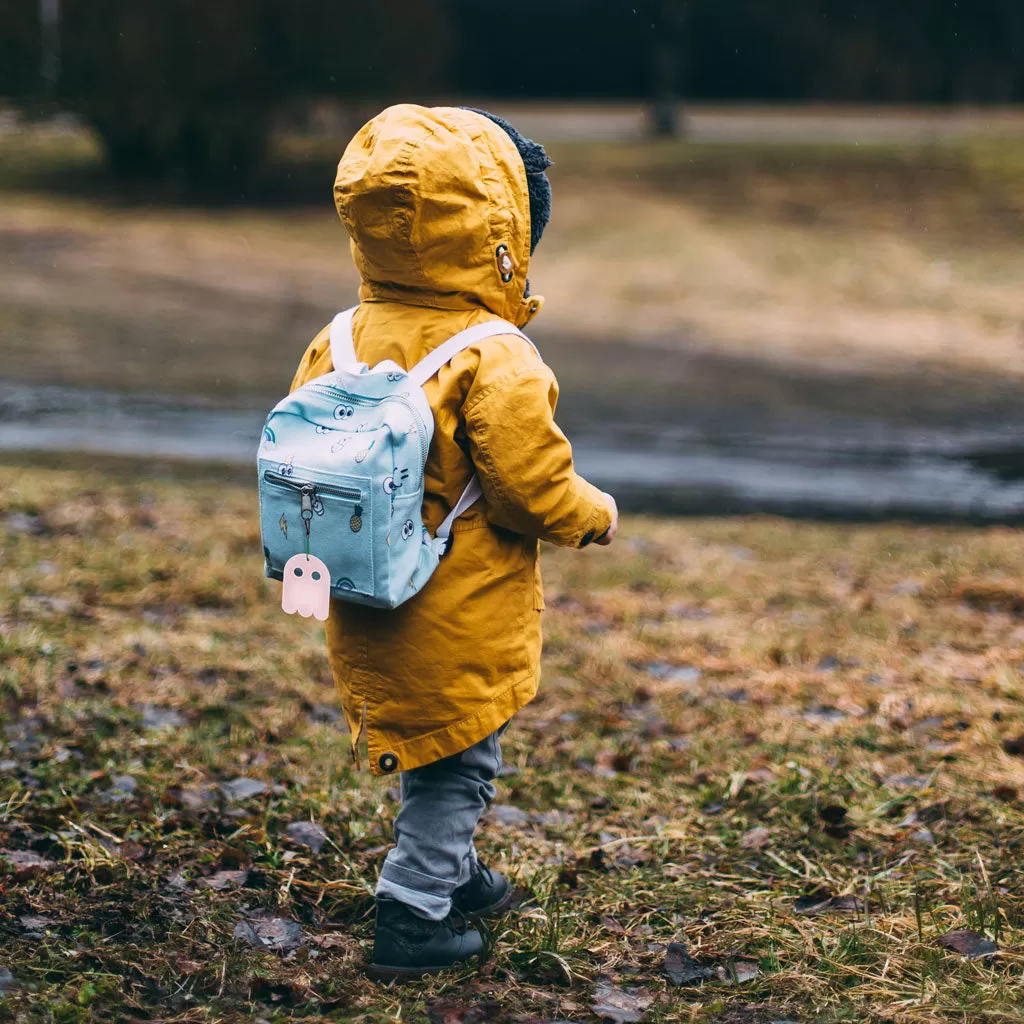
(436, 203)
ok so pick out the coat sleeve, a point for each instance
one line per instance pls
(525, 463)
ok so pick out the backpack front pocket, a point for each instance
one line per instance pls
(330, 520)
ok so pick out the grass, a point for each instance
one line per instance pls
(735, 714)
(871, 258)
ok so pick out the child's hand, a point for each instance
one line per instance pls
(609, 535)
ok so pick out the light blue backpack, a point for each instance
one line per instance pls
(341, 475)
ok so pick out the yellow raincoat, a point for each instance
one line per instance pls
(428, 196)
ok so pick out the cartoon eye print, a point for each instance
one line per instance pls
(391, 376)
(391, 484)
(408, 529)
(286, 469)
(343, 412)
(321, 429)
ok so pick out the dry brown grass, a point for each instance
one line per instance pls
(866, 258)
(734, 714)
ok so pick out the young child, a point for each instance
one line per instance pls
(444, 207)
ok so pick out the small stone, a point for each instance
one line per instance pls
(324, 714)
(905, 781)
(824, 715)
(756, 839)
(243, 788)
(154, 717)
(25, 523)
(122, 788)
(506, 814)
(307, 833)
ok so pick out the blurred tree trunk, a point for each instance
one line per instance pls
(666, 65)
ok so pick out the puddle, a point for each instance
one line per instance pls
(841, 470)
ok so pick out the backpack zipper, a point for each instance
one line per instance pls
(348, 493)
(344, 396)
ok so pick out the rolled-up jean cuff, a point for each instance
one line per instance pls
(436, 908)
(409, 878)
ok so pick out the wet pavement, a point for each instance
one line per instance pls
(706, 437)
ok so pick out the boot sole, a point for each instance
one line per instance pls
(379, 972)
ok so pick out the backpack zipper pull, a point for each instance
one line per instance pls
(307, 510)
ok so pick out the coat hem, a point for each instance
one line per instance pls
(460, 736)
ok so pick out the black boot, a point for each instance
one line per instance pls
(486, 894)
(409, 946)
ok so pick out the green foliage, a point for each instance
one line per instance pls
(189, 91)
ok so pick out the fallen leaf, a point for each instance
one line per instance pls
(224, 880)
(622, 1005)
(737, 972)
(756, 839)
(833, 814)
(34, 922)
(568, 876)
(189, 966)
(332, 940)
(1008, 794)
(274, 933)
(26, 864)
(609, 924)
(969, 944)
(846, 904)
(451, 1011)
(813, 902)
(130, 850)
(681, 969)
(307, 833)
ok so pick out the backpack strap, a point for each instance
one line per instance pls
(444, 353)
(343, 348)
(425, 369)
(343, 353)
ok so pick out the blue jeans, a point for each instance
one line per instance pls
(441, 807)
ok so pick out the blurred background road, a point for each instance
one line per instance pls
(784, 269)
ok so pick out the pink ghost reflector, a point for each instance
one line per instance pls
(307, 587)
